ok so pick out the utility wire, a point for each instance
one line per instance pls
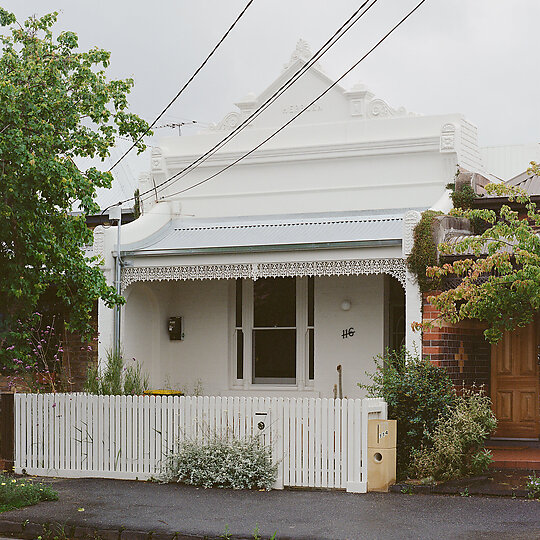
(185, 85)
(394, 28)
(319, 53)
(330, 42)
(342, 30)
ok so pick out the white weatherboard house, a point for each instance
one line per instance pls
(293, 260)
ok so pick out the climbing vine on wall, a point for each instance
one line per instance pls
(424, 251)
(463, 197)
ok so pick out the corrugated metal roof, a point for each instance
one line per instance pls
(507, 247)
(530, 183)
(267, 234)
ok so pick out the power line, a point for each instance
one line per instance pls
(185, 85)
(394, 28)
(342, 30)
(329, 43)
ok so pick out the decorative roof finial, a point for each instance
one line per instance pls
(302, 51)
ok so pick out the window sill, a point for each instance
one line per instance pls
(271, 390)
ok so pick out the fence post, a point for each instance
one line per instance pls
(359, 482)
(7, 431)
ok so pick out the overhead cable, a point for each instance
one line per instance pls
(179, 93)
(357, 14)
(310, 104)
(338, 34)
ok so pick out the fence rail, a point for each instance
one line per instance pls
(316, 442)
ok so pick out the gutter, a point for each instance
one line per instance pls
(264, 248)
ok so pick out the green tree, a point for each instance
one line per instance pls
(56, 105)
(500, 285)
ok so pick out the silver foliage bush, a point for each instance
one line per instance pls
(457, 447)
(221, 462)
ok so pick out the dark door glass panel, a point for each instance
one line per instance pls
(274, 302)
(239, 354)
(238, 303)
(397, 315)
(274, 356)
(311, 353)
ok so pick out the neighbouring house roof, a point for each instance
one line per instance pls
(530, 183)
(454, 240)
(272, 233)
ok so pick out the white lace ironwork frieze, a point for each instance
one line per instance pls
(395, 267)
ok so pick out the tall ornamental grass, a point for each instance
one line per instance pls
(116, 379)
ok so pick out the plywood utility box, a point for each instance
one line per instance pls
(382, 442)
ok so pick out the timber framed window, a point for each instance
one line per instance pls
(274, 331)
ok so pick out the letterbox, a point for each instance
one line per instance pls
(176, 328)
(382, 442)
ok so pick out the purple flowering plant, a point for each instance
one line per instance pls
(31, 355)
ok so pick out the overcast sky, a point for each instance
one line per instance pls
(476, 57)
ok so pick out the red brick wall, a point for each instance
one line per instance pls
(78, 355)
(461, 348)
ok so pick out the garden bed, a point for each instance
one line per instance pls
(501, 483)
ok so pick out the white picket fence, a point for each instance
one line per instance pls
(316, 442)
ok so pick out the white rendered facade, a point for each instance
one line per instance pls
(321, 201)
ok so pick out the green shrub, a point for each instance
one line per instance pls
(220, 462)
(464, 197)
(16, 493)
(116, 379)
(456, 446)
(418, 393)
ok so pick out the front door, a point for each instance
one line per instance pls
(515, 383)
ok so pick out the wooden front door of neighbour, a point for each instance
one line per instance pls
(515, 383)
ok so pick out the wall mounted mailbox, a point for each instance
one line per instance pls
(176, 328)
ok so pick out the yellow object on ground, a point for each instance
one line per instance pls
(163, 393)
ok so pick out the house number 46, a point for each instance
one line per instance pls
(348, 332)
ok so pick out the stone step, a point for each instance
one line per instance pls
(515, 457)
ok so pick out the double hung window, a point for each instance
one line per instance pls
(274, 331)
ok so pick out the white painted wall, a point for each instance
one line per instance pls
(140, 336)
(366, 316)
(205, 355)
(351, 183)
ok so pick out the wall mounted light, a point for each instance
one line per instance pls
(346, 305)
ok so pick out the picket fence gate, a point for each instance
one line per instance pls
(316, 442)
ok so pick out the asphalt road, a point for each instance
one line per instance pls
(141, 506)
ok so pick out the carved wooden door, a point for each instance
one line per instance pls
(515, 383)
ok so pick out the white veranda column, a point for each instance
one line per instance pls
(413, 313)
(413, 297)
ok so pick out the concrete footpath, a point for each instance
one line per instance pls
(116, 509)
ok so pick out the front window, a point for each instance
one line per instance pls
(274, 331)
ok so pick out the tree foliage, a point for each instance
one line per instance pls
(500, 284)
(56, 106)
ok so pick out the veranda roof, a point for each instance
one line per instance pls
(271, 233)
